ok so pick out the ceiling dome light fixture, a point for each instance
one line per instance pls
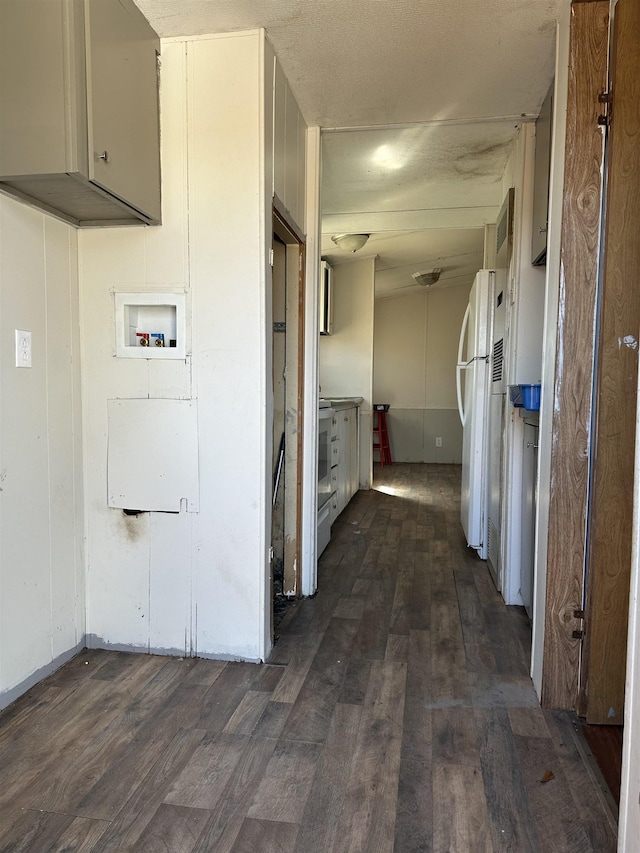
(350, 242)
(426, 279)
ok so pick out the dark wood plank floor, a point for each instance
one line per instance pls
(396, 714)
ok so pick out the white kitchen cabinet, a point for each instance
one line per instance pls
(344, 454)
(528, 510)
(289, 171)
(79, 125)
(354, 453)
(544, 133)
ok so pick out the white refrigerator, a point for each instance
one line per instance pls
(473, 390)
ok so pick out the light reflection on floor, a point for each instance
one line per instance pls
(387, 490)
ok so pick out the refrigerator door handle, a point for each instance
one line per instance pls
(460, 366)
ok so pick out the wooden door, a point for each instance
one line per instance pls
(572, 392)
(609, 545)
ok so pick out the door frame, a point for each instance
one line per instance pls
(295, 266)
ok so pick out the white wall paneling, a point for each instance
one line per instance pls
(42, 613)
(219, 148)
(311, 346)
(413, 434)
(524, 351)
(228, 277)
(415, 350)
(549, 341)
(120, 608)
(629, 821)
(346, 356)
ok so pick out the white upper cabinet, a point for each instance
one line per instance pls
(79, 125)
(289, 173)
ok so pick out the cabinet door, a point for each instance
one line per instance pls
(33, 118)
(544, 131)
(355, 453)
(289, 150)
(528, 521)
(122, 94)
(345, 458)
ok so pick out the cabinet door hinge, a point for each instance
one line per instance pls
(270, 257)
(604, 119)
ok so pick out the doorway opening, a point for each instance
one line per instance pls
(288, 385)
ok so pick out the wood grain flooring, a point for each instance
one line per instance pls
(395, 714)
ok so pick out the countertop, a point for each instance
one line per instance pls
(342, 402)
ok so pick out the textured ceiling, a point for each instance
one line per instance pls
(371, 62)
(423, 193)
(436, 88)
(457, 252)
(391, 179)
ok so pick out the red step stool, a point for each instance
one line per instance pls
(381, 436)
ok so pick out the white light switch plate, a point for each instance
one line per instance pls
(23, 348)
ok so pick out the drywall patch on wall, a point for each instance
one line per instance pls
(152, 459)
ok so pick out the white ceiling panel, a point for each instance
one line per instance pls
(414, 168)
(424, 194)
(374, 62)
(457, 252)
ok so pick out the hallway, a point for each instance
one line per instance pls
(396, 713)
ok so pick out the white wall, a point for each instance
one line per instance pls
(523, 357)
(346, 357)
(42, 614)
(311, 348)
(415, 347)
(192, 582)
(629, 822)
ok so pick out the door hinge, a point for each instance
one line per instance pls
(578, 635)
(271, 554)
(578, 614)
(270, 257)
(604, 119)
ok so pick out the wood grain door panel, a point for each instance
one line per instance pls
(609, 564)
(575, 354)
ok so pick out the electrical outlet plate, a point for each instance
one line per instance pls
(23, 348)
(439, 441)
